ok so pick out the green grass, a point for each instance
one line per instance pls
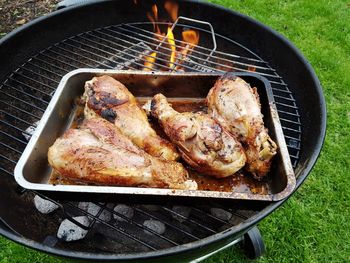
(314, 225)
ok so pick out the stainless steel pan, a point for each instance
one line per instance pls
(33, 172)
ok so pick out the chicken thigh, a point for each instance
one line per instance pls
(236, 106)
(110, 99)
(202, 142)
(99, 153)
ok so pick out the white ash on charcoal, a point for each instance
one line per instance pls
(44, 206)
(68, 231)
(124, 210)
(27, 134)
(221, 214)
(83, 205)
(182, 213)
(94, 209)
(154, 225)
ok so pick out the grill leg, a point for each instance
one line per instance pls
(253, 244)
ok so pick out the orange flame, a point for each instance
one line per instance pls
(149, 63)
(153, 17)
(172, 8)
(190, 37)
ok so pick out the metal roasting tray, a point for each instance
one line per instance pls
(33, 171)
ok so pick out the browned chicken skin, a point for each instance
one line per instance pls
(99, 153)
(110, 99)
(236, 106)
(203, 143)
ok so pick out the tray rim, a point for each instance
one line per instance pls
(291, 180)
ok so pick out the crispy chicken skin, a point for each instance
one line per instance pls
(202, 142)
(110, 99)
(98, 153)
(236, 106)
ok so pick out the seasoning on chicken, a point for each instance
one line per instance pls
(236, 106)
(98, 153)
(110, 99)
(202, 142)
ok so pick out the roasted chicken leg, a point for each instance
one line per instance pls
(110, 99)
(99, 153)
(202, 142)
(236, 106)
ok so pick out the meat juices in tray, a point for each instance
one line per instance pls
(116, 145)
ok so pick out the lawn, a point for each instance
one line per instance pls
(313, 225)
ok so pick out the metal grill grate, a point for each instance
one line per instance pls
(26, 93)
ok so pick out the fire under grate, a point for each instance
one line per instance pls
(26, 93)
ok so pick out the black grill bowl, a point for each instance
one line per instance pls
(22, 44)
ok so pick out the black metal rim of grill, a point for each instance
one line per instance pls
(211, 242)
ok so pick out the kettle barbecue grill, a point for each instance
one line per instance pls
(114, 35)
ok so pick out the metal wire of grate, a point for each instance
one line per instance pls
(26, 93)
